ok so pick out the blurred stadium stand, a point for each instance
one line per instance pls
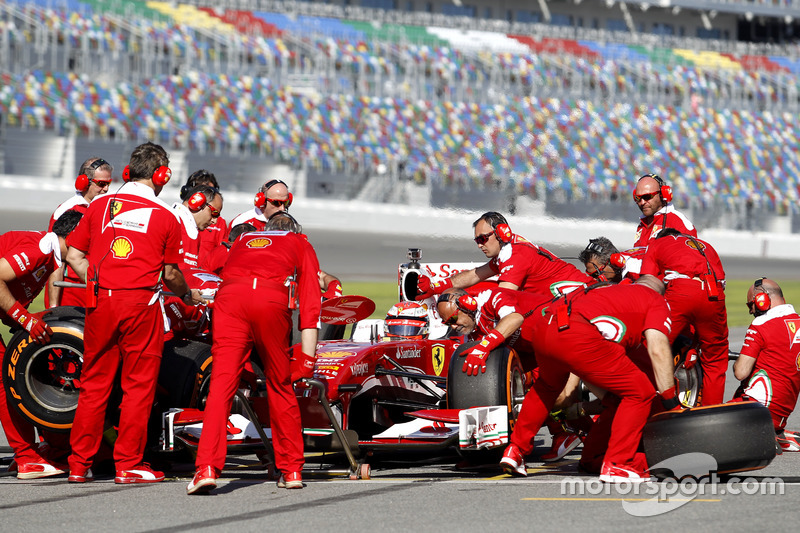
(416, 106)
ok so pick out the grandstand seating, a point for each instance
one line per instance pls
(540, 125)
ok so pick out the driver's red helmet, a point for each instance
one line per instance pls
(407, 320)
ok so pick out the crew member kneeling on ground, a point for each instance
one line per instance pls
(27, 260)
(768, 365)
(253, 308)
(126, 244)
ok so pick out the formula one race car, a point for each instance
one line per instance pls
(369, 393)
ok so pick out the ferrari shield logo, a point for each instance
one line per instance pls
(437, 357)
(793, 325)
(116, 206)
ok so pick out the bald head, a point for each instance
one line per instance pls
(647, 195)
(768, 287)
(461, 322)
(651, 282)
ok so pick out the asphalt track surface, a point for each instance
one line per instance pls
(405, 493)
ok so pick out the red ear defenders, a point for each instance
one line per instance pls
(761, 299)
(161, 176)
(665, 190)
(196, 202)
(503, 233)
(260, 201)
(465, 302)
(82, 181)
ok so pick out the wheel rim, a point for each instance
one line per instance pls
(52, 377)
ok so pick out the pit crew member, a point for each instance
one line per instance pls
(596, 257)
(274, 196)
(653, 197)
(768, 365)
(695, 293)
(94, 178)
(214, 260)
(587, 333)
(217, 232)
(199, 211)
(519, 264)
(253, 309)
(27, 261)
(125, 244)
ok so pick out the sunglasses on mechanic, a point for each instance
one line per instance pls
(277, 203)
(214, 211)
(101, 184)
(646, 196)
(483, 239)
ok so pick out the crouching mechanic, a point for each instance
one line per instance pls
(253, 308)
(768, 365)
(27, 260)
(587, 333)
(495, 317)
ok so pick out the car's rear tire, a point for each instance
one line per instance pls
(42, 381)
(503, 383)
(739, 436)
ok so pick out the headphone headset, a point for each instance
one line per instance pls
(664, 190)
(198, 177)
(197, 201)
(761, 300)
(82, 181)
(161, 176)
(503, 233)
(465, 302)
(260, 201)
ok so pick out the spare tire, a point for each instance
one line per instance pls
(42, 381)
(739, 436)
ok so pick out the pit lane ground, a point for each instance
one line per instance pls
(422, 495)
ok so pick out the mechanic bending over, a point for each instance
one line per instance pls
(29, 260)
(215, 259)
(94, 178)
(497, 316)
(217, 231)
(198, 212)
(519, 264)
(123, 258)
(768, 365)
(653, 197)
(588, 332)
(253, 309)
(695, 293)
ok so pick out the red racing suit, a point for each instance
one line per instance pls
(255, 217)
(535, 269)
(603, 323)
(773, 339)
(252, 309)
(666, 217)
(190, 237)
(69, 295)
(214, 260)
(33, 255)
(213, 236)
(127, 237)
(187, 321)
(695, 293)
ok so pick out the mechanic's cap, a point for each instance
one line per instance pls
(408, 320)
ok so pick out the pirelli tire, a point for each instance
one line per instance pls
(503, 383)
(42, 381)
(739, 436)
(185, 374)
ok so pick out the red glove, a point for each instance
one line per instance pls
(38, 328)
(476, 358)
(426, 289)
(691, 358)
(303, 366)
(669, 400)
(334, 290)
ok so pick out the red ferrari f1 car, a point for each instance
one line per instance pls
(368, 393)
